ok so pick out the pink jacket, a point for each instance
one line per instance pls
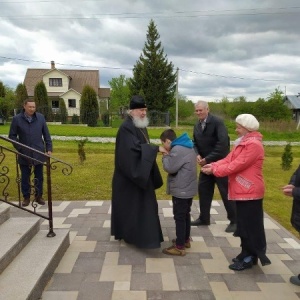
(243, 166)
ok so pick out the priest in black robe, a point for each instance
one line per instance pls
(134, 215)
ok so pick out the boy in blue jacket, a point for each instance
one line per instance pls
(181, 165)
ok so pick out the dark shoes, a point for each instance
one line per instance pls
(26, 202)
(241, 265)
(231, 227)
(40, 200)
(254, 260)
(295, 280)
(264, 260)
(199, 222)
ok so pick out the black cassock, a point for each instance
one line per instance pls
(134, 215)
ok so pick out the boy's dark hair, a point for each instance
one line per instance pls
(168, 134)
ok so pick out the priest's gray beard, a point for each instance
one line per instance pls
(140, 123)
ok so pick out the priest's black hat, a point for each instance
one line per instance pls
(137, 102)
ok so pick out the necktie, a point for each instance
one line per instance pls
(202, 125)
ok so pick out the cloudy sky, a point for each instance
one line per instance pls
(223, 48)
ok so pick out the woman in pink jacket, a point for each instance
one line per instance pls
(243, 166)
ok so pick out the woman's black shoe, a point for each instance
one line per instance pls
(241, 265)
(254, 260)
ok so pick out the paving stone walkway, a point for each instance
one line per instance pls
(97, 267)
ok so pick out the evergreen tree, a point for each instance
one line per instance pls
(41, 99)
(7, 102)
(63, 111)
(153, 76)
(2, 90)
(287, 157)
(89, 107)
(21, 96)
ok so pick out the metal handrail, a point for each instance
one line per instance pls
(50, 163)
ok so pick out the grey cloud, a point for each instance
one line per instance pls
(244, 43)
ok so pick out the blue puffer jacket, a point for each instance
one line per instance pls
(34, 134)
(181, 166)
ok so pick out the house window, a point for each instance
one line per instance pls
(55, 81)
(55, 104)
(72, 103)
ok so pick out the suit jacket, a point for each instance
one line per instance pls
(212, 143)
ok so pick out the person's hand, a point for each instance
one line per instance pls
(207, 169)
(288, 190)
(163, 150)
(198, 159)
(202, 162)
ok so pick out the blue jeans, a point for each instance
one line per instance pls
(37, 181)
(182, 217)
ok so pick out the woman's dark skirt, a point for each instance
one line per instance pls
(250, 228)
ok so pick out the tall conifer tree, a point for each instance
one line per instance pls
(41, 100)
(89, 107)
(21, 96)
(153, 75)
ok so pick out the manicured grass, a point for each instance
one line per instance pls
(285, 131)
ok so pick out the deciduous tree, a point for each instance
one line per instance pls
(120, 93)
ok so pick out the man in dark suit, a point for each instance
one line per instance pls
(212, 144)
(30, 129)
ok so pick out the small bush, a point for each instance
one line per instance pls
(75, 119)
(287, 158)
(81, 150)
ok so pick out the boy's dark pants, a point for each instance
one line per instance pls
(182, 217)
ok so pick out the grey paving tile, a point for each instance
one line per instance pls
(182, 295)
(193, 282)
(274, 248)
(145, 282)
(293, 265)
(66, 282)
(242, 282)
(88, 265)
(107, 246)
(273, 237)
(192, 277)
(139, 268)
(98, 233)
(95, 291)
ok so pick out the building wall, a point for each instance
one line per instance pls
(72, 110)
(56, 89)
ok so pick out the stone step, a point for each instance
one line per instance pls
(4, 212)
(15, 234)
(28, 274)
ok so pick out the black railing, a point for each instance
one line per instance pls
(51, 163)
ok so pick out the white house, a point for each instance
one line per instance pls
(65, 84)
